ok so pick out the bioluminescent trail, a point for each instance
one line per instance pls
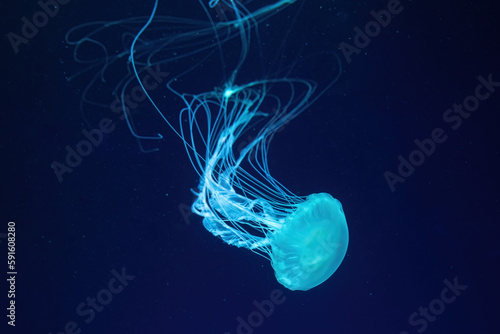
(253, 90)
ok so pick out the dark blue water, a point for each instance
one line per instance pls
(111, 246)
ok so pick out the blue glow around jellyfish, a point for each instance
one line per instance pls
(305, 238)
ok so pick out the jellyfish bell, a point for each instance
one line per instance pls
(311, 244)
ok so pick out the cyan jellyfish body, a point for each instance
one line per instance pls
(311, 244)
(305, 238)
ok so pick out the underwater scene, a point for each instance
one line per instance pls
(250, 166)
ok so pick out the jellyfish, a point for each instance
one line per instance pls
(227, 129)
(305, 238)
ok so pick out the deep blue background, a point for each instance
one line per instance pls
(113, 212)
